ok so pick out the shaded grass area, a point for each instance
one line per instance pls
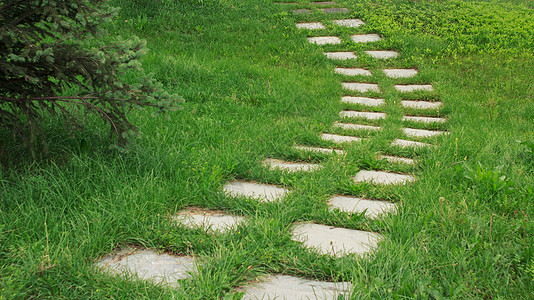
(254, 87)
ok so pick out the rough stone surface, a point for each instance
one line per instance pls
(382, 54)
(383, 178)
(301, 11)
(284, 287)
(340, 138)
(323, 2)
(396, 159)
(324, 40)
(411, 132)
(365, 38)
(361, 87)
(413, 87)
(335, 241)
(424, 119)
(310, 26)
(290, 166)
(362, 114)
(149, 265)
(420, 104)
(319, 150)
(335, 10)
(372, 208)
(208, 220)
(408, 144)
(363, 101)
(350, 126)
(351, 23)
(261, 192)
(352, 71)
(400, 73)
(340, 55)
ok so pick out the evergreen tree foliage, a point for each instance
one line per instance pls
(52, 59)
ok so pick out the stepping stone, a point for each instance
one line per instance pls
(422, 133)
(352, 71)
(340, 55)
(324, 40)
(365, 38)
(351, 23)
(395, 159)
(384, 178)
(400, 73)
(408, 144)
(363, 101)
(301, 11)
(379, 54)
(362, 114)
(335, 10)
(290, 166)
(319, 150)
(339, 139)
(261, 192)
(208, 220)
(420, 104)
(350, 126)
(413, 88)
(310, 26)
(149, 265)
(323, 3)
(292, 3)
(372, 208)
(361, 87)
(335, 241)
(424, 119)
(290, 287)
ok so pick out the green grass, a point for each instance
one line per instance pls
(254, 87)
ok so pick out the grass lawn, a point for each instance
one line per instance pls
(254, 87)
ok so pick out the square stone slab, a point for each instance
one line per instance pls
(310, 26)
(350, 126)
(411, 132)
(362, 114)
(319, 150)
(149, 265)
(408, 144)
(284, 287)
(334, 240)
(424, 119)
(366, 38)
(261, 192)
(400, 73)
(383, 178)
(339, 139)
(361, 87)
(324, 40)
(396, 159)
(351, 23)
(353, 71)
(335, 10)
(301, 11)
(420, 104)
(404, 88)
(323, 2)
(340, 55)
(373, 208)
(382, 54)
(290, 166)
(363, 101)
(208, 220)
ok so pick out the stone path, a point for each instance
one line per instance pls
(317, 238)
